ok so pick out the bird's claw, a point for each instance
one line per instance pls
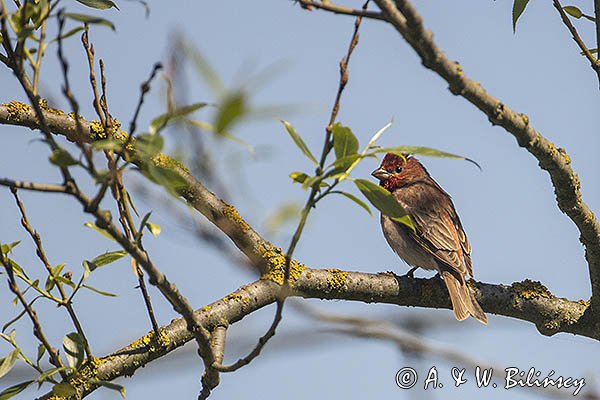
(411, 273)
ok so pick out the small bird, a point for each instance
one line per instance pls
(439, 241)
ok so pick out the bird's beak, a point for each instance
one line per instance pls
(381, 174)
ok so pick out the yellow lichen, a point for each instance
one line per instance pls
(15, 108)
(164, 161)
(97, 129)
(564, 154)
(151, 342)
(525, 118)
(236, 297)
(551, 149)
(585, 303)
(206, 308)
(231, 213)
(337, 279)
(275, 260)
(44, 106)
(529, 289)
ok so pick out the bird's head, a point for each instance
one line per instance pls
(396, 171)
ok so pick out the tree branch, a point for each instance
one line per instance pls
(337, 9)
(584, 49)
(527, 300)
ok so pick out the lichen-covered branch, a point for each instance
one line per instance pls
(526, 300)
(407, 21)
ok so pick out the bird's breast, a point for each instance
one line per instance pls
(405, 246)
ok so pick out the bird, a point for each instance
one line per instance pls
(438, 241)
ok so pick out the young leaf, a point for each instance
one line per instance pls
(299, 177)
(107, 258)
(233, 108)
(149, 145)
(158, 123)
(64, 390)
(40, 353)
(112, 386)
(73, 345)
(383, 201)
(573, 11)
(153, 228)
(62, 158)
(344, 141)
(6, 248)
(90, 19)
(518, 8)
(8, 362)
(99, 4)
(103, 293)
(14, 390)
(104, 233)
(299, 142)
(423, 151)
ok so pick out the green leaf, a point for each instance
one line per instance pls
(56, 270)
(140, 232)
(48, 374)
(6, 248)
(231, 109)
(344, 142)
(73, 344)
(99, 4)
(149, 145)
(62, 158)
(383, 200)
(573, 11)
(158, 123)
(518, 8)
(103, 293)
(299, 177)
(41, 350)
(108, 144)
(8, 362)
(354, 199)
(299, 142)
(103, 232)
(64, 390)
(153, 228)
(107, 258)
(423, 151)
(112, 386)
(90, 19)
(14, 390)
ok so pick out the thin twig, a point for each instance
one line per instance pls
(89, 50)
(588, 54)
(34, 186)
(261, 343)
(337, 9)
(38, 332)
(44, 259)
(144, 88)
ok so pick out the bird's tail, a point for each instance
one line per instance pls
(463, 301)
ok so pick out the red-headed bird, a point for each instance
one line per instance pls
(439, 241)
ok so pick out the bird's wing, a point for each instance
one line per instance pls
(435, 220)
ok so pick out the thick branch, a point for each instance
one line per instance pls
(405, 18)
(527, 300)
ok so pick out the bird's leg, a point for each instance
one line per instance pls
(411, 273)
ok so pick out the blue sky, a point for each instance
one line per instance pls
(508, 208)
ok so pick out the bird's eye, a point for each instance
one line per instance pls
(398, 169)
